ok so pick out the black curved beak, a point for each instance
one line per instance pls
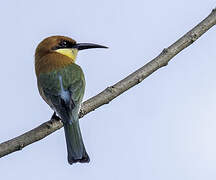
(82, 46)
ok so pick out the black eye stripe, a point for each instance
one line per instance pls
(64, 44)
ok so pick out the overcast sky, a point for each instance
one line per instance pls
(163, 129)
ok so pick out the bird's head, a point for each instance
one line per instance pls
(62, 45)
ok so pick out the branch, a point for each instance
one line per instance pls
(113, 91)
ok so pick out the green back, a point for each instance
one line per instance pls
(73, 81)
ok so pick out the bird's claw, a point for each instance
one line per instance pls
(54, 116)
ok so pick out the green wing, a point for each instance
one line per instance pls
(73, 83)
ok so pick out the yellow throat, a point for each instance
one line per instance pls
(69, 52)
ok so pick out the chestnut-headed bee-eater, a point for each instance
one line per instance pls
(61, 84)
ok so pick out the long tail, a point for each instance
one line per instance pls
(75, 147)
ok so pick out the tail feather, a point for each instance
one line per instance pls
(75, 147)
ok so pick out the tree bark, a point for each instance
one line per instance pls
(112, 92)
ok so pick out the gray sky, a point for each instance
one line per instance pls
(163, 129)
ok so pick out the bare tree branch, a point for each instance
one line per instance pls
(113, 91)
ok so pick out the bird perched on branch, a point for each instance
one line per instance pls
(61, 84)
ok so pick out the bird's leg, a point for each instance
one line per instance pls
(54, 116)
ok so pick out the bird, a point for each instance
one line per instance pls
(61, 84)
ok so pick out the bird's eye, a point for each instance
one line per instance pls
(63, 44)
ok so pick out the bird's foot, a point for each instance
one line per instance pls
(54, 116)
